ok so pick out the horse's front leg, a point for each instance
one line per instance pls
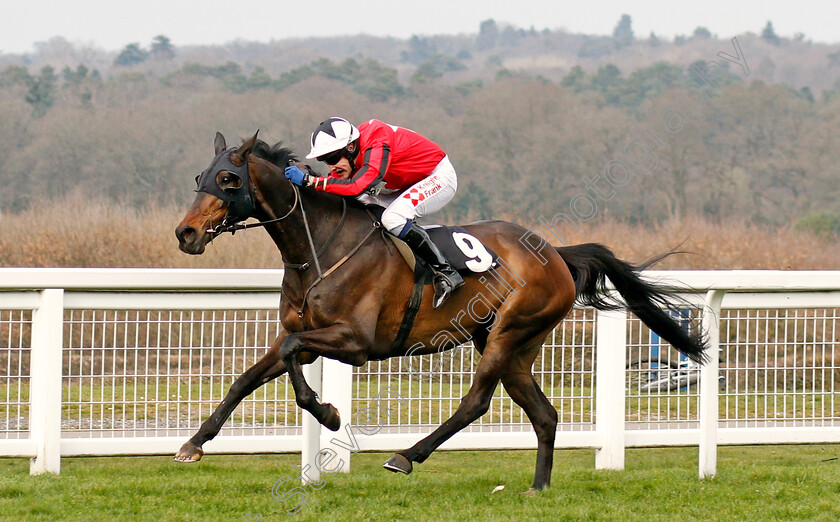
(337, 342)
(269, 367)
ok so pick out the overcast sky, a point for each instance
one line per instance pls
(111, 24)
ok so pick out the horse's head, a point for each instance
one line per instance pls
(225, 195)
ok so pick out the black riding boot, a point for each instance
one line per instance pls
(447, 279)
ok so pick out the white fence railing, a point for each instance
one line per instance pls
(130, 361)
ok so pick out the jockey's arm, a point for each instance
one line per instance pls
(374, 166)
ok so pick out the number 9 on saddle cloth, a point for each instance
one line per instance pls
(464, 251)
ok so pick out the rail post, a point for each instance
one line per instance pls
(45, 382)
(311, 428)
(611, 355)
(338, 391)
(709, 386)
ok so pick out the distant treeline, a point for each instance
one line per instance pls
(661, 141)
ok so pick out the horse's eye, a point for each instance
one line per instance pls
(228, 182)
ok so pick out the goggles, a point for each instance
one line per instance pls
(333, 157)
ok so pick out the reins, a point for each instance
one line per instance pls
(304, 266)
(333, 268)
(233, 227)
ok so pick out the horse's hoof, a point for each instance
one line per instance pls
(333, 419)
(189, 453)
(398, 464)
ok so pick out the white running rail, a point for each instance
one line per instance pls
(130, 361)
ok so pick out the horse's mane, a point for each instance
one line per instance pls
(276, 154)
(282, 156)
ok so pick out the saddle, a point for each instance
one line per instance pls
(464, 251)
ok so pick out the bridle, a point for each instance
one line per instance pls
(243, 197)
(240, 201)
(232, 227)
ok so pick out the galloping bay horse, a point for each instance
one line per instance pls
(345, 292)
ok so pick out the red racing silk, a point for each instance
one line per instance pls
(397, 155)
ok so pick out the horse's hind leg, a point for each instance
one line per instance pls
(508, 356)
(474, 404)
(269, 367)
(525, 392)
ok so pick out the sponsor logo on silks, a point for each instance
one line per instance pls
(415, 196)
(429, 187)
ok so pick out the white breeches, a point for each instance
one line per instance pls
(425, 197)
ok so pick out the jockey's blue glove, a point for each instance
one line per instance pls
(297, 176)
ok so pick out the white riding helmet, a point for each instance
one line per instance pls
(331, 135)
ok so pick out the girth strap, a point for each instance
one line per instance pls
(421, 274)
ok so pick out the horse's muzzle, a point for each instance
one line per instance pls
(190, 240)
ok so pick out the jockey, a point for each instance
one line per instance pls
(396, 168)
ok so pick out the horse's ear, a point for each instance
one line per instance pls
(245, 149)
(219, 143)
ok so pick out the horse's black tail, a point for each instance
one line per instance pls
(591, 263)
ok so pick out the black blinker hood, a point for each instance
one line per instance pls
(240, 202)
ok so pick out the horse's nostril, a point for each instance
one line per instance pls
(185, 234)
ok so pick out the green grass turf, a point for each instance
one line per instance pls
(759, 482)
